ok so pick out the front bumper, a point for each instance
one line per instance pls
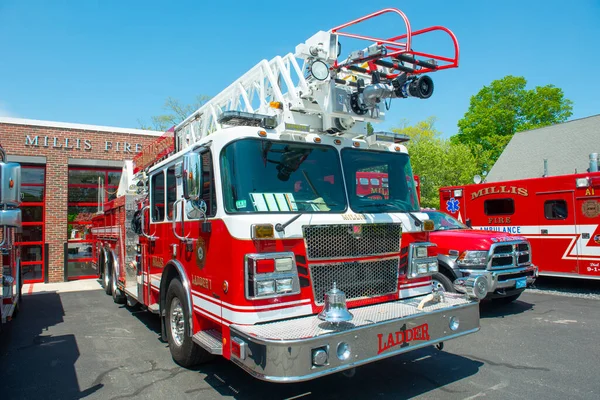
(505, 279)
(283, 351)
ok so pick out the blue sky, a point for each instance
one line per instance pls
(114, 62)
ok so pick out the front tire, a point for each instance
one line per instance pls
(442, 283)
(177, 319)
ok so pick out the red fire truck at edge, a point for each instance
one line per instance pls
(559, 215)
(244, 230)
(10, 231)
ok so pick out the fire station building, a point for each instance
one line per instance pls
(62, 164)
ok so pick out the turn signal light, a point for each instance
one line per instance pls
(276, 104)
(428, 225)
(263, 231)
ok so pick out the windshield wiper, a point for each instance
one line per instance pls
(418, 222)
(281, 227)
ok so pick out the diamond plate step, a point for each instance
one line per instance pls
(153, 308)
(210, 340)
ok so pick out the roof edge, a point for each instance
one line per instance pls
(83, 127)
(560, 123)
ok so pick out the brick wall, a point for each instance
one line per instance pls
(62, 145)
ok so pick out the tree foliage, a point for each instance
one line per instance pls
(175, 113)
(437, 161)
(506, 107)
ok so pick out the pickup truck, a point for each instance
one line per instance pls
(504, 259)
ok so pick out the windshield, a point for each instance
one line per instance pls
(444, 222)
(379, 181)
(273, 176)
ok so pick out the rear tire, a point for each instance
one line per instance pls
(183, 349)
(117, 295)
(506, 299)
(442, 283)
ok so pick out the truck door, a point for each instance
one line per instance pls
(556, 248)
(587, 206)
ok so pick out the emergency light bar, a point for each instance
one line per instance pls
(247, 119)
(388, 137)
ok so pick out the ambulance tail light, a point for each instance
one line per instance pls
(271, 275)
(422, 260)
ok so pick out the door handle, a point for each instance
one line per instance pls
(544, 231)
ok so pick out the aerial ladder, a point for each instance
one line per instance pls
(325, 92)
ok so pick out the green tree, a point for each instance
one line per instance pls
(506, 107)
(175, 113)
(437, 161)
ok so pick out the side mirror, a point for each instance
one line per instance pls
(468, 223)
(192, 178)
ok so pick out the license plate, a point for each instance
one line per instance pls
(521, 283)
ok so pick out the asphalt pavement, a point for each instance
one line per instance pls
(73, 345)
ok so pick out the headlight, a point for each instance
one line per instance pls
(264, 288)
(472, 259)
(420, 252)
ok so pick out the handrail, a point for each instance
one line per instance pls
(149, 237)
(174, 223)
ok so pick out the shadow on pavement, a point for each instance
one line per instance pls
(35, 365)
(412, 374)
(492, 309)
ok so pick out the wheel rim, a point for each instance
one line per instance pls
(106, 280)
(438, 285)
(177, 321)
(114, 283)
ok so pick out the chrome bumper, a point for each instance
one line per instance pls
(505, 278)
(284, 351)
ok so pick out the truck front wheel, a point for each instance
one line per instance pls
(183, 350)
(442, 283)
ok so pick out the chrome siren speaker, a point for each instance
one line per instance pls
(335, 309)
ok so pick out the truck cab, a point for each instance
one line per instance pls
(503, 259)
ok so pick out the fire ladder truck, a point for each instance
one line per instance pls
(242, 227)
(10, 225)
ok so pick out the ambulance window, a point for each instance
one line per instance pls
(157, 197)
(555, 209)
(499, 207)
(171, 192)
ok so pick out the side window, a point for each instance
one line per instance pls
(499, 207)
(171, 191)
(208, 189)
(157, 197)
(556, 209)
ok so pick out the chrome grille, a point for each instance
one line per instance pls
(351, 240)
(509, 255)
(357, 279)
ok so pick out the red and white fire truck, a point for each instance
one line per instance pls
(244, 229)
(559, 215)
(10, 227)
